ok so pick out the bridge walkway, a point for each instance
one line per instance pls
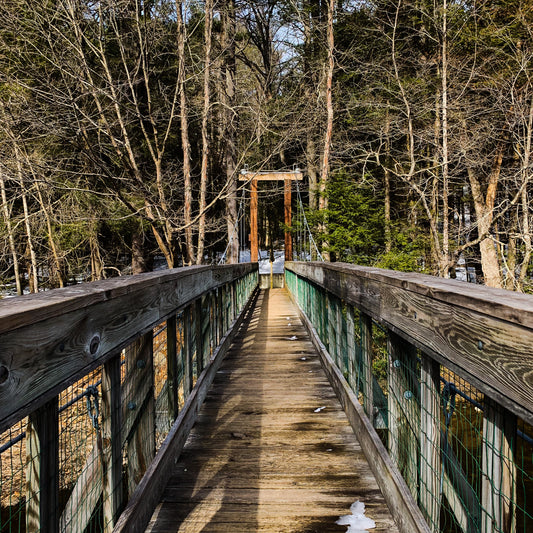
(272, 449)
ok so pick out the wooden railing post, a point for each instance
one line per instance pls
(338, 334)
(172, 367)
(498, 482)
(330, 325)
(366, 353)
(323, 316)
(199, 341)
(220, 315)
(113, 497)
(206, 331)
(233, 301)
(353, 371)
(238, 300)
(187, 353)
(430, 445)
(227, 289)
(225, 307)
(42, 469)
(212, 322)
(139, 403)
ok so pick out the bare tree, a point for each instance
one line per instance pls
(208, 24)
(231, 122)
(185, 143)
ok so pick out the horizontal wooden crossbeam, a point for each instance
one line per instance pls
(268, 175)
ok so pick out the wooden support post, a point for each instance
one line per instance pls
(199, 341)
(172, 368)
(140, 404)
(224, 307)
(288, 219)
(233, 301)
(394, 399)
(187, 354)
(339, 319)
(353, 371)
(323, 316)
(227, 289)
(42, 469)
(212, 322)
(330, 325)
(220, 315)
(254, 244)
(113, 497)
(430, 446)
(498, 481)
(206, 330)
(366, 353)
(312, 303)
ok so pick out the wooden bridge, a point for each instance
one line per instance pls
(190, 400)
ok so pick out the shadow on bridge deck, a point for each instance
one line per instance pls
(272, 449)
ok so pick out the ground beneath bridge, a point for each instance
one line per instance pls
(272, 449)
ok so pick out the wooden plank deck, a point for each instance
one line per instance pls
(261, 457)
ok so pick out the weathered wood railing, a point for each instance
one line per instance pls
(436, 377)
(88, 391)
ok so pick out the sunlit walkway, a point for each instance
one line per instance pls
(272, 449)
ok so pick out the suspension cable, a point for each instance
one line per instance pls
(306, 228)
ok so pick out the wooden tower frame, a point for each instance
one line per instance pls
(253, 177)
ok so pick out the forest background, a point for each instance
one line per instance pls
(124, 125)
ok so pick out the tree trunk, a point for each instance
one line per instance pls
(323, 200)
(387, 192)
(484, 207)
(167, 251)
(33, 276)
(313, 167)
(205, 138)
(10, 234)
(230, 155)
(45, 207)
(444, 260)
(185, 143)
(526, 226)
(510, 281)
(312, 170)
(97, 264)
(138, 260)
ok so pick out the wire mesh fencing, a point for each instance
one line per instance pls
(466, 460)
(13, 495)
(72, 464)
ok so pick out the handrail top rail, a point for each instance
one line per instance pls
(28, 309)
(498, 303)
(482, 334)
(51, 339)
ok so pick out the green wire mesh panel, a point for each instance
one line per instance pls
(523, 459)
(102, 458)
(164, 418)
(467, 461)
(81, 455)
(460, 442)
